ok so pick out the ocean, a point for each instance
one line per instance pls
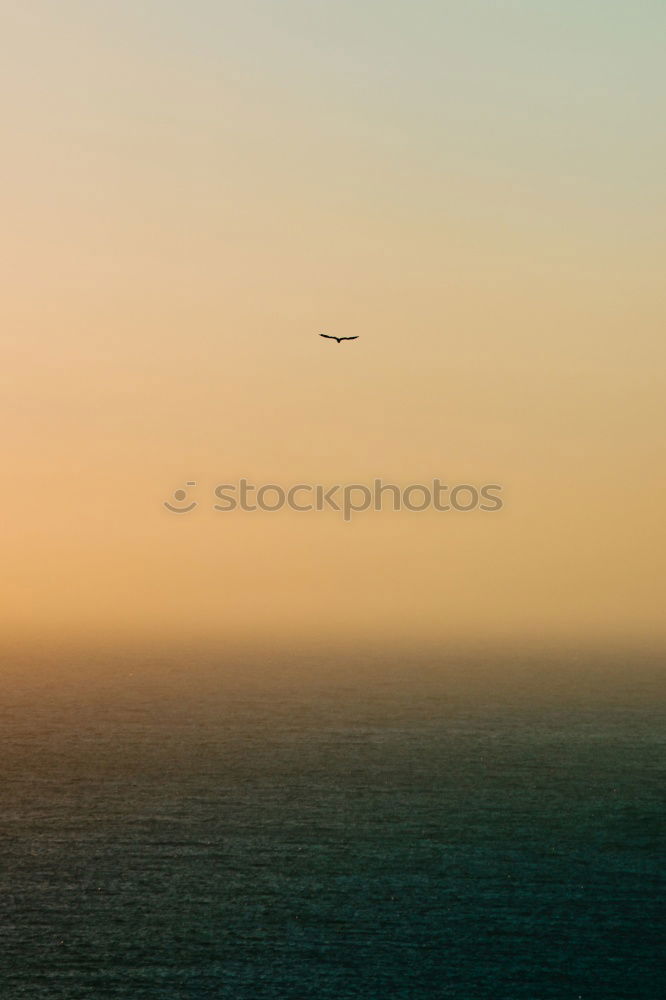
(204, 827)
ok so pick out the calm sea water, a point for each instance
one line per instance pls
(410, 832)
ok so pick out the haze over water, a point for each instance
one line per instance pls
(458, 791)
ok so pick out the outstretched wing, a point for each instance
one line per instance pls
(328, 336)
(348, 338)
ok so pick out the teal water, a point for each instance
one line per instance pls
(365, 835)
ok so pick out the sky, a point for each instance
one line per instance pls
(191, 192)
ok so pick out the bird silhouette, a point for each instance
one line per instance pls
(329, 337)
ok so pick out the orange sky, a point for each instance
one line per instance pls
(190, 196)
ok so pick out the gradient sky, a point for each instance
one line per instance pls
(192, 191)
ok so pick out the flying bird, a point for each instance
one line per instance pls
(329, 337)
